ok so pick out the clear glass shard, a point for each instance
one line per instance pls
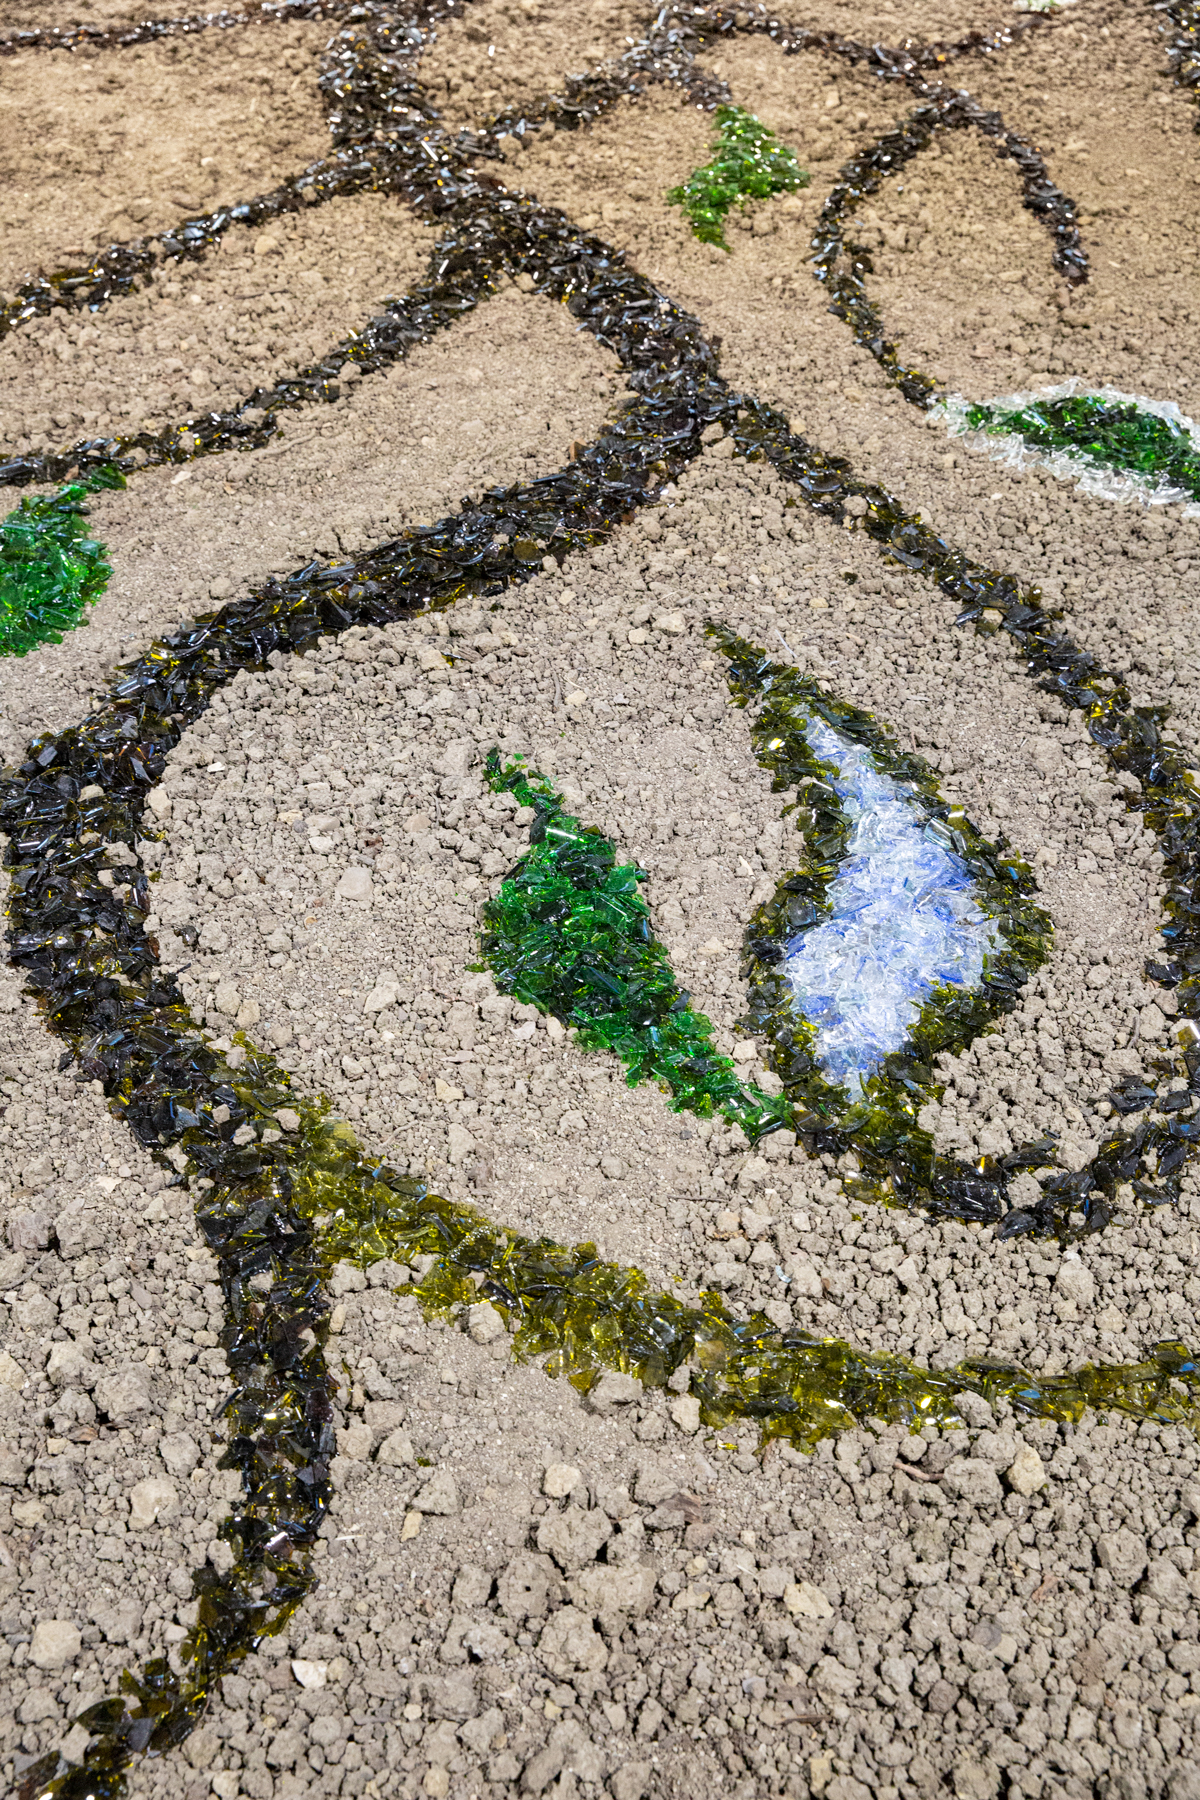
(902, 921)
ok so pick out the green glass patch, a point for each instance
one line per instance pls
(50, 569)
(1110, 434)
(569, 932)
(749, 163)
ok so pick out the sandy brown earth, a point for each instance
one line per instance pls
(17, 15)
(522, 1592)
(512, 53)
(99, 150)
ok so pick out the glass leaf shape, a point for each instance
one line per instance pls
(1116, 446)
(748, 163)
(50, 570)
(569, 932)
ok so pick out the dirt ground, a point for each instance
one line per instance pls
(101, 150)
(522, 1591)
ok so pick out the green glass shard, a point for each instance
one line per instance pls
(749, 163)
(1107, 433)
(568, 932)
(49, 568)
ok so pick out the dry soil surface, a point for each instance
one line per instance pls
(522, 1592)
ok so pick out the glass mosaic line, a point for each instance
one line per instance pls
(83, 949)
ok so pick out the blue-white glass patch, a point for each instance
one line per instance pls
(902, 920)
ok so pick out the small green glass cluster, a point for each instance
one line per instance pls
(1112, 434)
(49, 568)
(568, 932)
(748, 163)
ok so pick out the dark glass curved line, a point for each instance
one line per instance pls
(153, 31)
(417, 160)
(668, 55)
(903, 62)
(841, 264)
(371, 93)
(404, 164)
(863, 175)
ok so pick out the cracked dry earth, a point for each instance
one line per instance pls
(522, 1590)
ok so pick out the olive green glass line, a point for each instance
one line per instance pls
(585, 1316)
(1111, 434)
(748, 163)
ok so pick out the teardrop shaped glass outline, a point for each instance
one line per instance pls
(875, 1113)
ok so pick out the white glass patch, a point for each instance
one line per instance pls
(902, 921)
